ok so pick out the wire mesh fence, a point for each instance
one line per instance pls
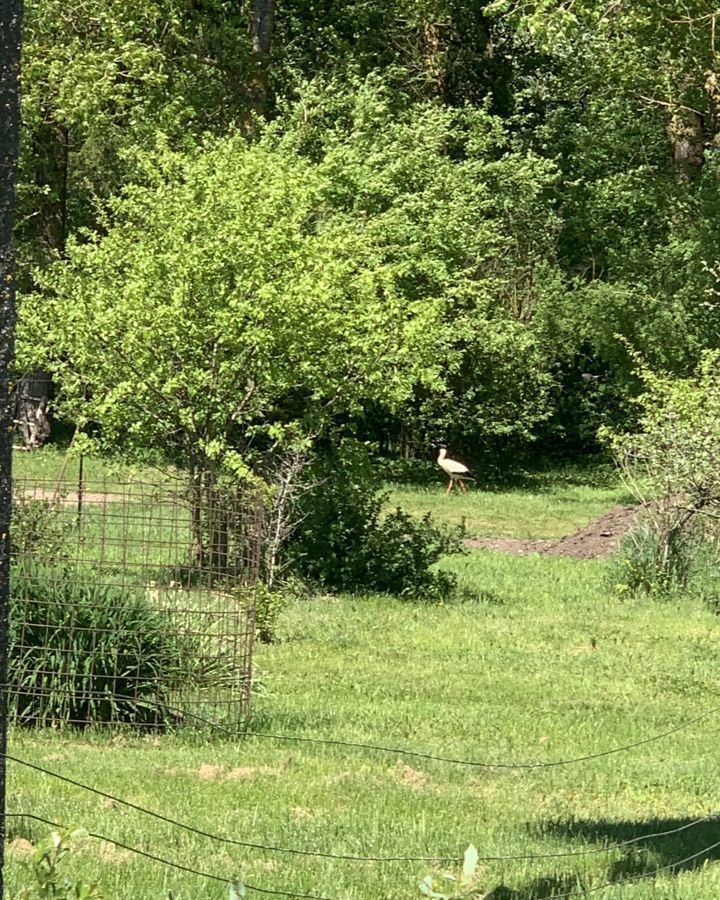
(132, 600)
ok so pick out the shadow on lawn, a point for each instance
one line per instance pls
(670, 853)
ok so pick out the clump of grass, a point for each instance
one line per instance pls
(84, 651)
(671, 563)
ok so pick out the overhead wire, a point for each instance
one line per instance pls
(420, 754)
(303, 896)
(170, 863)
(342, 857)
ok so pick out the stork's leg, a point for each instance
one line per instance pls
(463, 486)
(449, 487)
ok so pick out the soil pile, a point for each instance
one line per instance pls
(594, 541)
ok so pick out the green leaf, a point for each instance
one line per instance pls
(470, 863)
(237, 890)
(426, 888)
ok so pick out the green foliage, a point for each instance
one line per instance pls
(269, 604)
(675, 455)
(465, 222)
(48, 881)
(100, 86)
(651, 562)
(674, 462)
(84, 651)
(345, 543)
(400, 553)
(487, 193)
(227, 305)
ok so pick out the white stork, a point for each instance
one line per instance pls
(456, 471)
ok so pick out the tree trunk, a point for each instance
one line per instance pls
(11, 14)
(433, 57)
(213, 515)
(688, 140)
(32, 417)
(261, 33)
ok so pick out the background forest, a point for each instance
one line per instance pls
(417, 221)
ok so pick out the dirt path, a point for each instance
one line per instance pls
(596, 540)
(71, 499)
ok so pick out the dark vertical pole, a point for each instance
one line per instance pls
(80, 492)
(11, 15)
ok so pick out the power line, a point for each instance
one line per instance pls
(173, 865)
(281, 893)
(641, 875)
(355, 858)
(419, 754)
(222, 838)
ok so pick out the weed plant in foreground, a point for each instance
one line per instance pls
(545, 664)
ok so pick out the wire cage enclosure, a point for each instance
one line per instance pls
(132, 602)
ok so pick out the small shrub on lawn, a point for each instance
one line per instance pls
(82, 651)
(344, 543)
(40, 530)
(49, 883)
(268, 606)
(400, 554)
(671, 464)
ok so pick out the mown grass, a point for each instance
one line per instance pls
(49, 462)
(545, 664)
(537, 505)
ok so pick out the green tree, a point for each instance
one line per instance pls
(467, 224)
(228, 308)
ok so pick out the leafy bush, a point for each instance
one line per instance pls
(344, 543)
(84, 651)
(400, 552)
(268, 606)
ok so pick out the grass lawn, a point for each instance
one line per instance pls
(48, 464)
(540, 505)
(548, 664)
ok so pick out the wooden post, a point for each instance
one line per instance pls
(11, 16)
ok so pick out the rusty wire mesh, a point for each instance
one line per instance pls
(132, 602)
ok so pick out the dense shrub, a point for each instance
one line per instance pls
(651, 563)
(345, 543)
(83, 651)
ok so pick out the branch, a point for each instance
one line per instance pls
(672, 106)
(693, 20)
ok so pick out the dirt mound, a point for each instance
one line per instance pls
(596, 540)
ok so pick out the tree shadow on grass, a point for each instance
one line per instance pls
(654, 851)
(659, 848)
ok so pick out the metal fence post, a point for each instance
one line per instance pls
(11, 16)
